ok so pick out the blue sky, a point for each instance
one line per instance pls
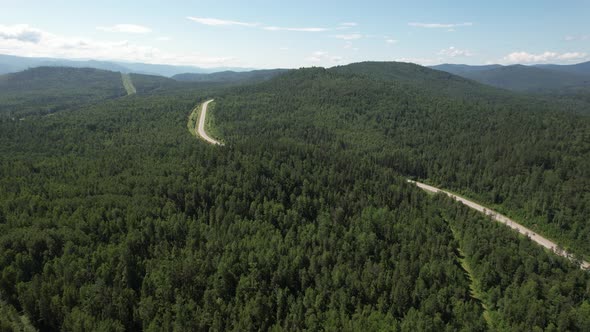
(290, 34)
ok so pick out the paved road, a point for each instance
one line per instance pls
(506, 221)
(201, 125)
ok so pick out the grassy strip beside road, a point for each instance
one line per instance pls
(193, 119)
(474, 284)
(542, 241)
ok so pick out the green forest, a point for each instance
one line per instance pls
(115, 217)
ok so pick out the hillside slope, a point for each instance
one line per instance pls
(49, 89)
(45, 90)
(527, 157)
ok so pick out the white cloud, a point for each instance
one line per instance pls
(348, 45)
(439, 25)
(274, 28)
(126, 28)
(316, 56)
(454, 52)
(524, 57)
(348, 24)
(20, 32)
(284, 49)
(574, 38)
(350, 36)
(219, 22)
(163, 39)
(323, 57)
(391, 41)
(572, 56)
(23, 40)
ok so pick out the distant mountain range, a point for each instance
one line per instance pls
(12, 64)
(231, 76)
(537, 78)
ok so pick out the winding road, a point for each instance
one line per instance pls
(546, 243)
(506, 221)
(201, 125)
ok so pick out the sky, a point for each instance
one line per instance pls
(293, 34)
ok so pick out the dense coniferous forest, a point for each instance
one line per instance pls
(114, 217)
(528, 158)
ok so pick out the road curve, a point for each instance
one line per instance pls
(506, 221)
(201, 125)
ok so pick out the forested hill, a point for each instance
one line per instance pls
(428, 80)
(527, 157)
(49, 89)
(49, 80)
(46, 90)
(461, 86)
(471, 82)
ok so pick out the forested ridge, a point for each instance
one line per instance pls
(114, 217)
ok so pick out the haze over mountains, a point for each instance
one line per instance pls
(531, 78)
(11, 64)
